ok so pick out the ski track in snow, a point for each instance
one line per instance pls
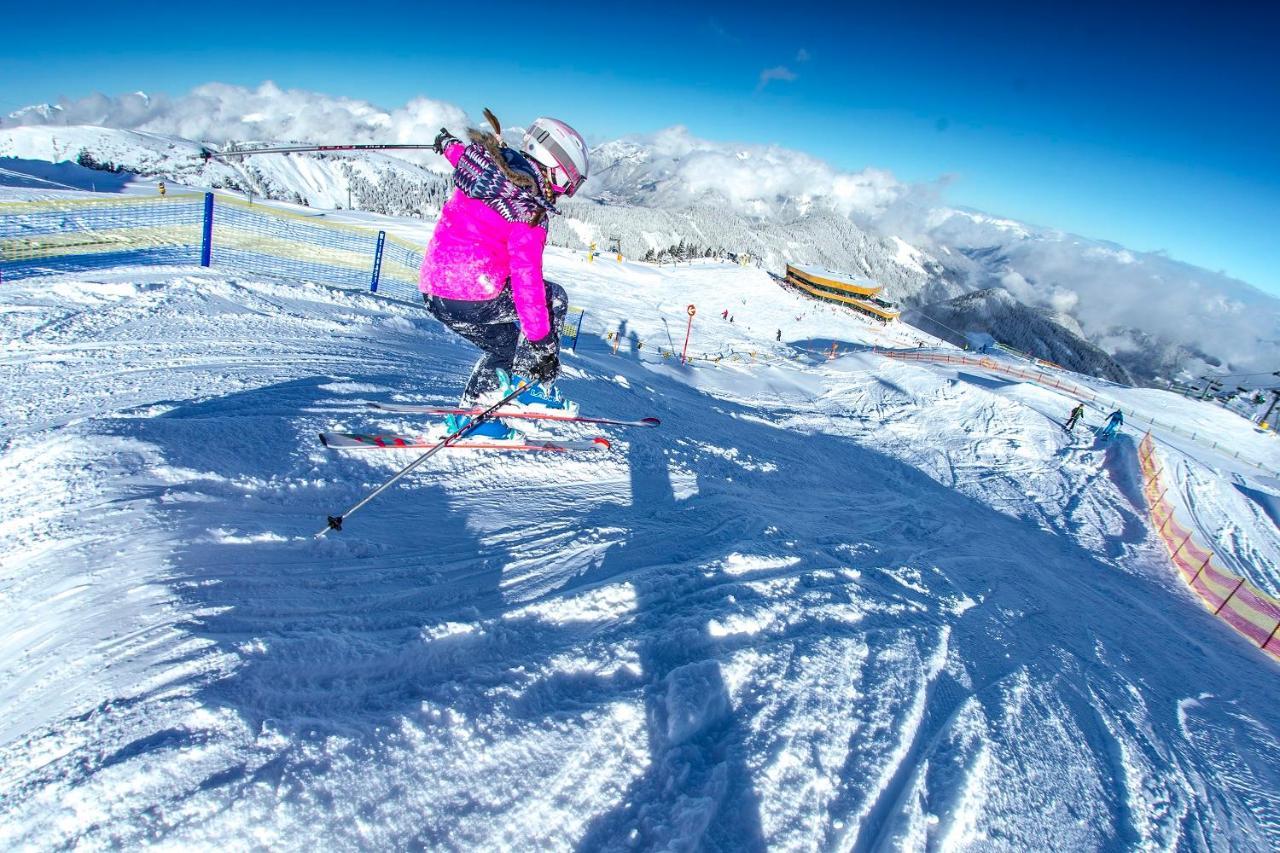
(854, 605)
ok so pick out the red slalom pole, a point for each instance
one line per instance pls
(689, 329)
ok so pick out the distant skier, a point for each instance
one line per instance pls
(778, 337)
(724, 315)
(482, 271)
(1114, 421)
(1076, 414)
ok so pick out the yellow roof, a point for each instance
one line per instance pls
(861, 304)
(838, 280)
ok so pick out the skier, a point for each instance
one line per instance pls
(1076, 414)
(1114, 420)
(482, 271)
(778, 336)
(724, 315)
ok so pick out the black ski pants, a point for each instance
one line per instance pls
(494, 326)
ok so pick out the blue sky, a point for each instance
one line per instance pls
(1155, 126)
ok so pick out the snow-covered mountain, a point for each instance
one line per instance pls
(997, 313)
(374, 182)
(789, 205)
(1158, 316)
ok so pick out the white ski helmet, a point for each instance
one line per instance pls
(561, 150)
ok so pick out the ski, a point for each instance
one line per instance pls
(334, 522)
(388, 441)
(413, 409)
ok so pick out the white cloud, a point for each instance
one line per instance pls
(1022, 290)
(778, 72)
(803, 55)
(1105, 287)
(217, 112)
(1064, 300)
(681, 168)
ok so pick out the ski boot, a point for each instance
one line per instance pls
(492, 429)
(535, 397)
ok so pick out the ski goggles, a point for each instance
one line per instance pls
(565, 178)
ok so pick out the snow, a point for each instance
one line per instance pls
(908, 256)
(1016, 229)
(854, 604)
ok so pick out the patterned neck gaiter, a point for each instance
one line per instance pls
(481, 178)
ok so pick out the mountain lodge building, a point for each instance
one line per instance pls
(858, 293)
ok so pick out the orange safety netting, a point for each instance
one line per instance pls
(1047, 380)
(1231, 598)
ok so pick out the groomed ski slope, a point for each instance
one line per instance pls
(855, 604)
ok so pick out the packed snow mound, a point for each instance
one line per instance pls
(853, 604)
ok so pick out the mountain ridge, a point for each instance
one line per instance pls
(776, 205)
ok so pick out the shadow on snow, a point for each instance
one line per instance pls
(330, 635)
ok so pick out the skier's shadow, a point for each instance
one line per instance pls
(697, 788)
(328, 634)
(625, 342)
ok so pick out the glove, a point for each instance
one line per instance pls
(443, 140)
(545, 364)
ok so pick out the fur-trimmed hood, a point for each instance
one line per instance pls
(502, 178)
(515, 166)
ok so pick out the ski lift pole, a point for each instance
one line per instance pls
(335, 521)
(688, 330)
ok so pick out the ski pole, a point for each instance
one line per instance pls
(206, 153)
(335, 521)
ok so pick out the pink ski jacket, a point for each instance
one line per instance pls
(474, 250)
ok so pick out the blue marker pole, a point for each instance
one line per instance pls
(377, 262)
(206, 243)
